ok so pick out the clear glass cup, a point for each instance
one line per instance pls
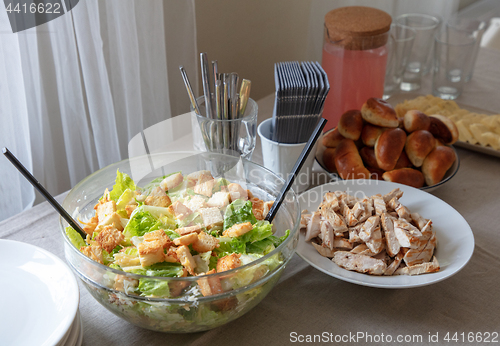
(453, 51)
(399, 45)
(425, 27)
(232, 136)
(473, 27)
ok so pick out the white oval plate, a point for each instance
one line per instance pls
(39, 295)
(455, 238)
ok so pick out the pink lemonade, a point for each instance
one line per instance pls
(354, 76)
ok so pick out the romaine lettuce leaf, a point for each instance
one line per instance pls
(164, 269)
(140, 223)
(122, 183)
(151, 287)
(75, 238)
(239, 211)
(126, 197)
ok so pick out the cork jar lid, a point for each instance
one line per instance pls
(357, 27)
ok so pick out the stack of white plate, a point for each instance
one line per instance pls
(38, 298)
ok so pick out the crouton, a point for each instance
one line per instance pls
(219, 200)
(129, 208)
(205, 188)
(158, 198)
(196, 203)
(104, 209)
(238, 229)
(186, 239)
(179, 210)
(171, 255)
(211, 217)
(150, 252)
(228, 262)
(159, 235)
(158, 201)
(186, 258)
(237, 192)
(210, 286)
(258, 208)
(109, 238)
(267, 208)
(187, 230)
(113, 219)
(176, 287)
(193, 178)
(172, 181)
(94, 252)
(205, 242)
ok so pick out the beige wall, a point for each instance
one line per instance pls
(249, 36)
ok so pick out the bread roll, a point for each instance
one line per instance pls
(435, 165)
(415, 120)
(440, 130)
(379, 112)
(450, 125)
(388, 148)
(351, 124)
(418, 145)
(407, 176)
(348, 161)
(370, 133)
(403, 161)
(329, 160)
(332, 139)
(368, 156)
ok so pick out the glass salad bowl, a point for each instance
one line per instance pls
(163, 298)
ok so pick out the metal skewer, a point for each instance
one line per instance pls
(189, 89)
(205, 76)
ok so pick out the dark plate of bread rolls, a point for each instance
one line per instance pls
(374, 143)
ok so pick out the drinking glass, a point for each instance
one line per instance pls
(452, 52)
(228, 136)
(399, 45)
(425, 27)
(473, 27)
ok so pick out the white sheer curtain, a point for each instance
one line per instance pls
(75, 90)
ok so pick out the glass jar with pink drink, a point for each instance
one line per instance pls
(354, 58)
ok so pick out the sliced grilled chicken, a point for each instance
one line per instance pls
(327, 235)
(336, 221)
(358, 209)
(418, 220)
(354, 233)
(396, 193)
(324, 251)
(392, 243)
(313, 227)
(379, 205)
(407, 234)
(362, 249)
(349, 218)
(391, 268)
(421, 254)
(428, 267)
(359, 263)
(304, 220)
(368, 209)
(403, 212)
